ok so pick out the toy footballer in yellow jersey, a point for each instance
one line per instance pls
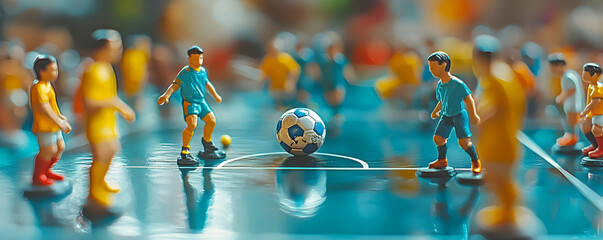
(48, 121)
(99, 95)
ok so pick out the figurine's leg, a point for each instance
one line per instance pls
(501, 184)
(598, 133)
(42, 162)
(187, 133)
(210, 124)
(102, 155)
(587, 130)
(60, 146)
(569, 138)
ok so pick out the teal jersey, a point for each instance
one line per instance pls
(192, 84)
(451, 96)
(333, 72)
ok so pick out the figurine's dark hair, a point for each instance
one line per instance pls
(440, 57)
(101, 37)
(40, 64)
(592, 69)
(556, 59)
(194, 50)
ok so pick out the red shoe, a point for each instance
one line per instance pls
(598, 153)
(588, 149)
(567, 140)
(39, 177)
(439, 164)
(52, 175)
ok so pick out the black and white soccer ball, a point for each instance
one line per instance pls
(300, 131)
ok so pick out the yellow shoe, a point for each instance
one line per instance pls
(476, 167)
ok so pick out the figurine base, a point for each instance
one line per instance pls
(591, 162)
(526, 226)
(59, 188)
(468, 178)
(567, 150)
(187, 162)
(99, 214)
(446, 172)
(220, 154)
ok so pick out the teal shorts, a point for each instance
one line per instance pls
(199, 109)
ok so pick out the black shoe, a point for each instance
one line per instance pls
(209, 146)
(187, 160)
(219, 154)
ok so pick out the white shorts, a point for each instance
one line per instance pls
(49, 138)
(570, 105)
(598, 120)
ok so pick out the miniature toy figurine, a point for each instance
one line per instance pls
(572, 100)
(404, 76)
(451, 93)
(134, 68)
(592, 116)
(193, 82)
(48, 124)
(306, 59)
(336, 72)
(502, 107)
(100, 101)
(283, 72)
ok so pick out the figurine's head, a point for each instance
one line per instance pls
(195, 56)
(107, 45)
(591, 73)
(275, 46)
(557, 64)
(334, 45)
(439, 64)
(485, 48)
(45, 67)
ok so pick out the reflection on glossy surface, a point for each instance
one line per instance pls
(301, 192)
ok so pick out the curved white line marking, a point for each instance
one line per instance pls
(362, 163)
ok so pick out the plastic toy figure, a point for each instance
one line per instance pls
(336, 72)
(134, 67)
(283, 72)
(306, 59)
(48, 121)
(502, 107)
(571, 98)
(193, 82)
(451, 93)
(99, 94)
(404, 77)
(592, 116)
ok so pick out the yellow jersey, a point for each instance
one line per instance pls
(505, 100)
(277, 69)
(134, 68)
(43, 92)
(595, 91)
(99, 84)
(404, 67)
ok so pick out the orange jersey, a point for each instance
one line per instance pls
(405, 67)
(595, 91)
(43, 92)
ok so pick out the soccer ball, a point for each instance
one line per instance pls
(300, 131)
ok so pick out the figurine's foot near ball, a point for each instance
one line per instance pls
(446, 172)
(470, 178)
(218, 154)
(187, 160)
(59, 188)
(98, 213)
(489, 225)
(591, 162)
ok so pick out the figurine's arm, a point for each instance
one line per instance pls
(564, 95)
(470, 103)
(593, 103)
(212, 91)
(165, 97)
(349, 74)
(436, 111)
(46, 109)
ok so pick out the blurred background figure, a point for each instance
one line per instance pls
(403, 78)
(336, 72)
(134, 67)
(282, 72)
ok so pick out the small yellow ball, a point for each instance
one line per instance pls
(225, 140)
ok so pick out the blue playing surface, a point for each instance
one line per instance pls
(361, 184)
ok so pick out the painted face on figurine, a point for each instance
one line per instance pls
(195, 60)
(51, 72)
(437, 69)
(557, 69)
(587, 78)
